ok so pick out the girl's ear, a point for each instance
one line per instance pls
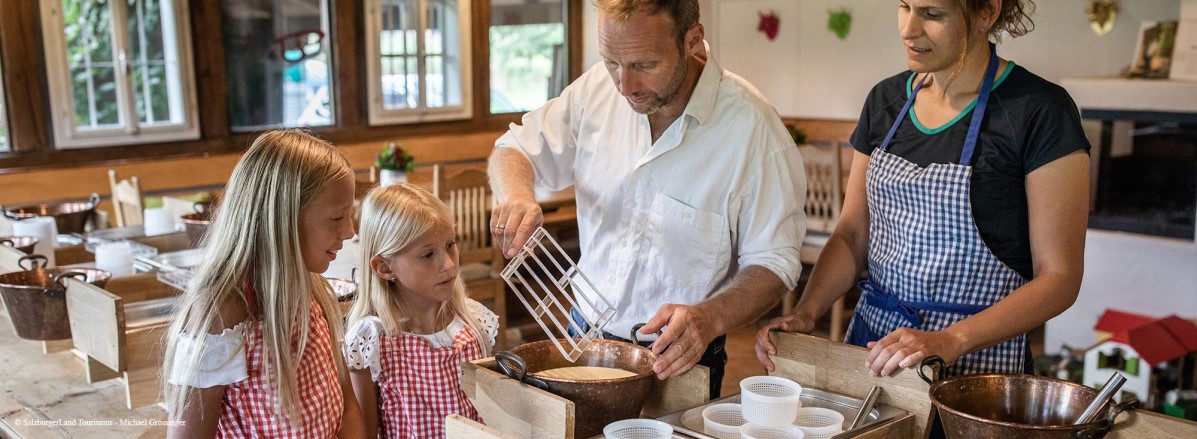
(382, 268)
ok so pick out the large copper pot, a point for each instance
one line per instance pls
(69, 217)
(1016, 406)
(23, 244)
(196, 225)
(596, 402)
(36, 299)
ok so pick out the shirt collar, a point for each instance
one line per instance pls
(702, 99)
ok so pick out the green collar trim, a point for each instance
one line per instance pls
(924, 129)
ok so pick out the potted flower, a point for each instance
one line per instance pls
(393, 164)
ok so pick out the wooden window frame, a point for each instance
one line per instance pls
(30, 136)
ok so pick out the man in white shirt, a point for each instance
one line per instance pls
(690, 191)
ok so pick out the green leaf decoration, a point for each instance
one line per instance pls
(840, 22)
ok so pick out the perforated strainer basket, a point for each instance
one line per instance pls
(541, 275)
(750, 431)
(819, 422)
(770, 400)
(723, 420)
(637, 429)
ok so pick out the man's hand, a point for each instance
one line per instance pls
(687, 332)
(512, 223)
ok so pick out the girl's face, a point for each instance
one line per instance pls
(425, 271)
(933, 32)
(325, 223)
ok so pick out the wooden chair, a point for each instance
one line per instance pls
(127, 202)
(467, 192)
(824, 199)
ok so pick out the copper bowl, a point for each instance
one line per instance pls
(69, 217)
(36, 300)
(596, 402)
(1017, 406)
(196, 225)
(23, 244)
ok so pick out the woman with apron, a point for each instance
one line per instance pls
(966, 203)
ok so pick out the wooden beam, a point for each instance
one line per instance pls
(24, 75)
(349, 63)
(207, 47)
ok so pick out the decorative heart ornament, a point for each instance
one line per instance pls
(1102, 15)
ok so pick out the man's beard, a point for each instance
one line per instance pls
(671, 89)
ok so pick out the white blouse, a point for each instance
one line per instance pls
(222, 361)
(362, 339)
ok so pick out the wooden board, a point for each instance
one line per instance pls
(143, 380)
(171, 242)
(458, 427)
(97, 323)
(838, 367)
(687, 390)
(516, 408)
(1146, 424)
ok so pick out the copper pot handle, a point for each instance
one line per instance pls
(77, 274)
(33, 262)
(519, 374)
(1100, 431)
(93, 200)
(936, 363)
(7, 242)
(4, 211)
(636, 330)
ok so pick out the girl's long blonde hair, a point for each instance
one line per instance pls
(392, 218)
(254, 236)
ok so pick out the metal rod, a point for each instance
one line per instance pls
(866, 407)
(1108, 390)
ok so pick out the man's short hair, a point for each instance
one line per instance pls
(683, 12)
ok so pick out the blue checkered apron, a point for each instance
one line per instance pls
(928, 267)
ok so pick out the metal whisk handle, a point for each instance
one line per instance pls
(1115, 382)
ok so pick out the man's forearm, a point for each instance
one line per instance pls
(752, 293)
(511, 175)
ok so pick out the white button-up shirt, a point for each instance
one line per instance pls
(672, 221)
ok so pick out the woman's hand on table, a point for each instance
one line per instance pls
(906, 347)
(796, 322)
(512, 223)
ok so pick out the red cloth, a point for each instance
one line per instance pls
(248, 407)
(419, 385)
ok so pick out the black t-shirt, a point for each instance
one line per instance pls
(1029, 122)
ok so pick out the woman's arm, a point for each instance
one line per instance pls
(839, 265)
(366, 402)
(201, 411)
(352, 422)
(1058, 206)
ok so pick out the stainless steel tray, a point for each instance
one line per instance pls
(690, 420)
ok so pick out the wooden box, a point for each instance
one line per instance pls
(120, 332)
(514, 409)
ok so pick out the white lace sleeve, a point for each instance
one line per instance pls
(486, 318)
(222, 361)
(361, 345)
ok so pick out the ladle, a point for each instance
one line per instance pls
(1108, 390)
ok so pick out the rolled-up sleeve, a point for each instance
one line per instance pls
(772, 219)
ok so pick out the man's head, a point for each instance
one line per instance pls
(646, 46)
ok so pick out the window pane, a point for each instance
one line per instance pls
(153, 62)
(87, 28)
(528, 59)
(277, 56)
(442, 50)
(397, 49)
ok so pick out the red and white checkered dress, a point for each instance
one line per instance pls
(420, 385)
(248, 407)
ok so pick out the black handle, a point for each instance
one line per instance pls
(33, 262)
(7, 242)
(636, 330)
(1100, 431)
(4, 211)
(77, 274)
(93, 200)
(520, 371)
(936, 363)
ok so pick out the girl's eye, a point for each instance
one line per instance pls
(427, 255)
(450, 244)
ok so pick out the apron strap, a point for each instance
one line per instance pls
(876, 297)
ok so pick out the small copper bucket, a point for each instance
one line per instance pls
(68, 217)
(23, 244)
(36, 298)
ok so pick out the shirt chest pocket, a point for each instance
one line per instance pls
(686, 243)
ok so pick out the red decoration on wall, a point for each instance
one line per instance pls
(768, 25)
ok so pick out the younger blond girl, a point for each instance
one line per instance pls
(250, 352)
(412, 326)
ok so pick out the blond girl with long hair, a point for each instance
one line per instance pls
(412, 326)
(250, 352)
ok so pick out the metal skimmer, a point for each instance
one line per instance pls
(541, 274)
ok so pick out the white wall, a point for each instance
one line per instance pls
(807, 72)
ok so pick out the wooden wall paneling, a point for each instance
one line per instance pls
(573, 37)
(480, 51)
(207, 48)
(349, 63)
(24, 76)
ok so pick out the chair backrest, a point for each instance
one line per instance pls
(467, 192)
(127, 203)
(824, 187)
